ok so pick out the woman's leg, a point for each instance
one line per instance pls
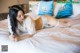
(68, 22)
(62, 22)
(77, 17)
(51, 21)
(56, 22)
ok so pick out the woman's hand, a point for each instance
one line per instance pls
(14, 38)
(21, 37)
(32, 15)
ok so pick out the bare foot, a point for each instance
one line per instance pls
(73, 22)
(64, 24)
(69, 23)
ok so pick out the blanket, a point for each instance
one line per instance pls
(49, 40)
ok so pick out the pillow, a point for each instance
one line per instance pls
(34, 6)
(75, 1)
(76, 10)
(46, 8)
(64, 10)
(41, 7)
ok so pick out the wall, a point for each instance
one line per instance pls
(4, 4)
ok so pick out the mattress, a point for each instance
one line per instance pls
(49, 40)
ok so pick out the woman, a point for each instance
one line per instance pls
(18, 23)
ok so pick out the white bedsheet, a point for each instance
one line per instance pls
(52, 40)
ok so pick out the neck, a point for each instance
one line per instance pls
(21, 23)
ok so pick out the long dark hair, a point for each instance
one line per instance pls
(13, 11)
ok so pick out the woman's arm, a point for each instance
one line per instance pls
(30, 25)
(57, 22)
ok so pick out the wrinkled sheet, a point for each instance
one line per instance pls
(49, 40)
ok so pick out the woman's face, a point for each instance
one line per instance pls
(20, 16)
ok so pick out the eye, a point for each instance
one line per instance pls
(23, 15)
(19, 16)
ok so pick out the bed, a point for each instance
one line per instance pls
(49, 40)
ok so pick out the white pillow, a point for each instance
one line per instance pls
(34, 6)
(41, 7)
(76, 10)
